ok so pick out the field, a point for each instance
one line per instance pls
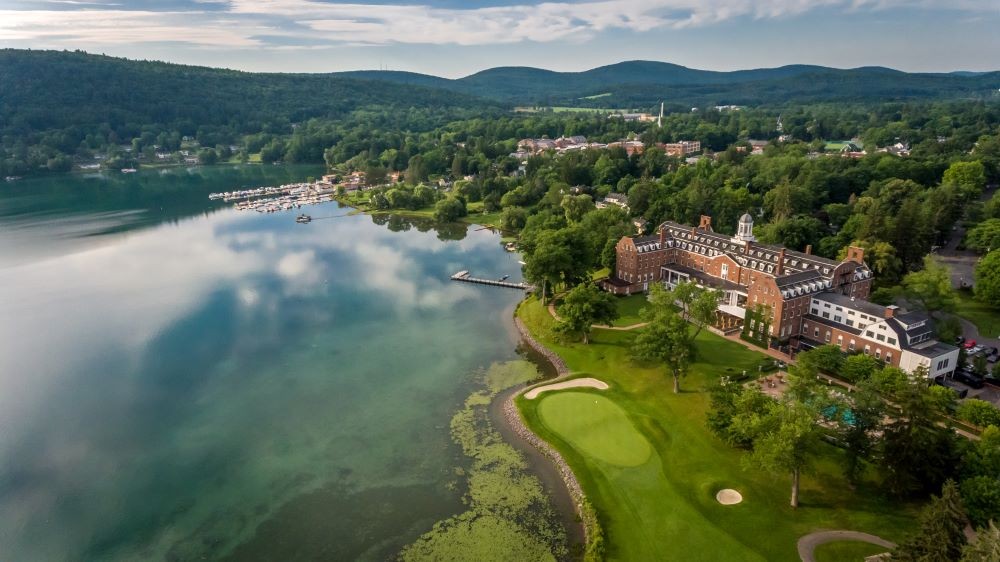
(628, 309)
(986, 318)
(664, 508)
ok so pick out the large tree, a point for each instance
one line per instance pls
(582, 307)
(698, 305)
(930, 288)
(785, 440)
(941, 535)
(987, 276)
(986, 547)
(666, 340)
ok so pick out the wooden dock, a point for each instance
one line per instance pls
(468, 278)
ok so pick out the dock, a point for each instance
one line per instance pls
(468, 278)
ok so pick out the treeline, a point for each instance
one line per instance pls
(57, 107)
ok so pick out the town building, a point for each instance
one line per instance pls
(616, 199)
(798, 299)
(682, 148)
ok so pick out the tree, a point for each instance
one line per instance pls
(984, 237)
(583, 306)
(969, 176)
(981, 497)
(930, 288)
(859, 367)
(986, 548)
(987, 278)
(450, 209)
(513, 218)
(557, 256)
(576, 206)
(979, 412)
(698, 305)
(666, 340)
(785, 439)
(858, 431)
(941, 535)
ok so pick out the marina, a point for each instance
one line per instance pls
(467, 277)
(276, 198)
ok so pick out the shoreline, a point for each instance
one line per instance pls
(583, 517)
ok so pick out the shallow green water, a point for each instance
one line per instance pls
(181, 381)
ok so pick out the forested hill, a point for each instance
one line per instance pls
(46, 90)
(644, 84)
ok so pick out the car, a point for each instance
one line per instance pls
(970, 379)
(960, 391)
(976, 349)
(969, 344)
(959, 340)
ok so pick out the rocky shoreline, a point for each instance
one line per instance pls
(592, 532)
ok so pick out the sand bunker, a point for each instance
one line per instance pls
(575, 383)
(728, 497)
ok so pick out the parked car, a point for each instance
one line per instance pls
(965, 377)
(961, 392)
(976, 349)
(959, 340)
(969, 344)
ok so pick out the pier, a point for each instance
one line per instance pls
(280, 198)
(468, 278)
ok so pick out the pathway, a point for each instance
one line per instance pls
(808, 543)
(552, 311)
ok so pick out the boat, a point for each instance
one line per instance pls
(504, 278)
(303, 218)
(129, 170)
(510, 247)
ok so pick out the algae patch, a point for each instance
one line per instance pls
(509, 516)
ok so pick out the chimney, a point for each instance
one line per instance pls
(809, 249)
(706, 223)
(663, 235)
(780, 270)
(746, 247)
(694, 231)
(890, 310)
(856, 254)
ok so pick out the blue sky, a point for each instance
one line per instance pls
(452, 38)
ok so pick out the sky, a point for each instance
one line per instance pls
(453, 39)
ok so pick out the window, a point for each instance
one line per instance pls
(888, 358)
(878, 353)
(826, 305)
(840, 341)
(815, 311)
(850, 313)
(826, 314)
(851, 345)
(892, 341)
(880, 337)
(838, 319)
(868, 349)
(850, 322)
(815, 332)
(870, 334)
(827, 336)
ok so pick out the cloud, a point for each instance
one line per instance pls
(308, 23)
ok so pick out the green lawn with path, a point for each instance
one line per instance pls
(985, 317)
(846, 551)
(629, 308)
(665, 507)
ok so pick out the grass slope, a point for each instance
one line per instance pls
(985, 317)
(665, 508)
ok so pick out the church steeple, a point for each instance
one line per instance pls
(744, 230)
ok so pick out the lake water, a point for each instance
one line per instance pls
(181, 381)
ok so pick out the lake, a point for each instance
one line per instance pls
(182, 381)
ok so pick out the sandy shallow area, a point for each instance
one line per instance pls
(728, 497)
(575, 383)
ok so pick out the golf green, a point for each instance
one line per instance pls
(595, 426)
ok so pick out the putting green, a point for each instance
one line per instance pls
(595, 426)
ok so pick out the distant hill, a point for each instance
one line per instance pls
(42, 90)
(646, 83)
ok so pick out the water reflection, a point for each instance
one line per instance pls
(164, 393)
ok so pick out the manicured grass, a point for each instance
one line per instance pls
(595, 426)
(986, 318)
(665, 508)
(629, 308)
(846, 551)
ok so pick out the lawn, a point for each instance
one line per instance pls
(665, 507)
(628, 309)
(985, 317)
(846, 551)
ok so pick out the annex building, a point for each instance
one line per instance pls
(801, 300)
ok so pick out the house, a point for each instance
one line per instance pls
(617, 199)
(757, 146)
(640, 225)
